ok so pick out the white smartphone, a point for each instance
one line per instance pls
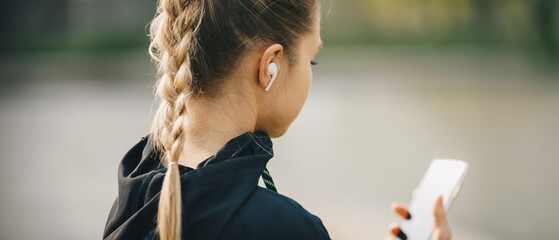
(444, 177)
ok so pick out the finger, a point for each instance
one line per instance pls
(439, 234)
(396, 231)
(439, 213)
(401, 209)
(441, 230)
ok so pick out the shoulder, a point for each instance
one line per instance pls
(276, 216)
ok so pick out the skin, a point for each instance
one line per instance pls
(244, 106)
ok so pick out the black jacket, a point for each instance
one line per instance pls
(221, 198)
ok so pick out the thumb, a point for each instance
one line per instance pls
(441, 231)
(440, 214)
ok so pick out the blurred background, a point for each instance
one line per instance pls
(399, 83)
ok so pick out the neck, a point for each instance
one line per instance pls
(211, 124)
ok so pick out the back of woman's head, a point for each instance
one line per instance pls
(196, 45)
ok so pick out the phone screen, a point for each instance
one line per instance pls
(442, 177)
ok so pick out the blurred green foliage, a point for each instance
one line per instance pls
(516, 24)
(104, 25)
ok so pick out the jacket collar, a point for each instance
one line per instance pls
(259, 142)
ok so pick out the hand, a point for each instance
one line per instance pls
(441, 231)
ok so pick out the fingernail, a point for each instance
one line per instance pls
(408, 217)
(401, 235)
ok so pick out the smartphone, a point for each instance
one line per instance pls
(444, 176)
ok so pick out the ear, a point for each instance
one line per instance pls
(272, 54)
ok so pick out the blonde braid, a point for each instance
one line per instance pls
(171, 33)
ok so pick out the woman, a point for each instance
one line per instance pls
(232, 75)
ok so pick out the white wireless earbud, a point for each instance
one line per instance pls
(272, 71)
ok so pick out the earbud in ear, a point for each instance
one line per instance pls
(272, 71)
